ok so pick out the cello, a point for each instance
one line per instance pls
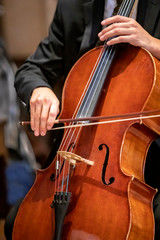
(94, 188)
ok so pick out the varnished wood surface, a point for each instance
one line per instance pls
(97, 211)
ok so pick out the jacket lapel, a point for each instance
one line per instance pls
(150, 20)
(93, 14)
(87, 13)
(142, 6)
(151, 16)
(97, 16)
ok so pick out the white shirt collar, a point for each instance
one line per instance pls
(110, 6)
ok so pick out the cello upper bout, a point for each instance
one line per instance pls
(153, 101)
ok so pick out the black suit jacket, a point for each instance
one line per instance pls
(70, 35)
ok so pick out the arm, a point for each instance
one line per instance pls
(128, 30)
(37, 76)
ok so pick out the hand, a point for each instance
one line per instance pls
(127, 30)
(44, 108)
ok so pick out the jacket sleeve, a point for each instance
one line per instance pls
(46, 65)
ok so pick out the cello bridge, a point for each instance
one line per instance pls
(73, 158)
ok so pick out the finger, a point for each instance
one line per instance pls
(32, 111)
(119, 39)
(54, 110)
(115, 19)
(115, 29)
(44, 116)
(117, 25)
(37, 115)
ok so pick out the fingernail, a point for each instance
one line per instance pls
(43, 133)
(101, 38)
(36, 133)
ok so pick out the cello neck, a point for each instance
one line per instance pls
(127, 7)
(102, 67)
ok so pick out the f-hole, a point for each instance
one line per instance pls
(104, 169)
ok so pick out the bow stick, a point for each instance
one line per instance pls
(108, 119)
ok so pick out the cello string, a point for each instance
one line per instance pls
(125, 8)
(66, 136)
(68, 177)
(82, 94)
(88, 82)
(102, 50)
(63, 172)
(109, 49)
(92, 77)
(68, 133)
(85, 107)
(68, 167)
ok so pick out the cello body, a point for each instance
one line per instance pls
(110, 199)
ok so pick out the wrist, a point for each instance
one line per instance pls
(154, 47)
